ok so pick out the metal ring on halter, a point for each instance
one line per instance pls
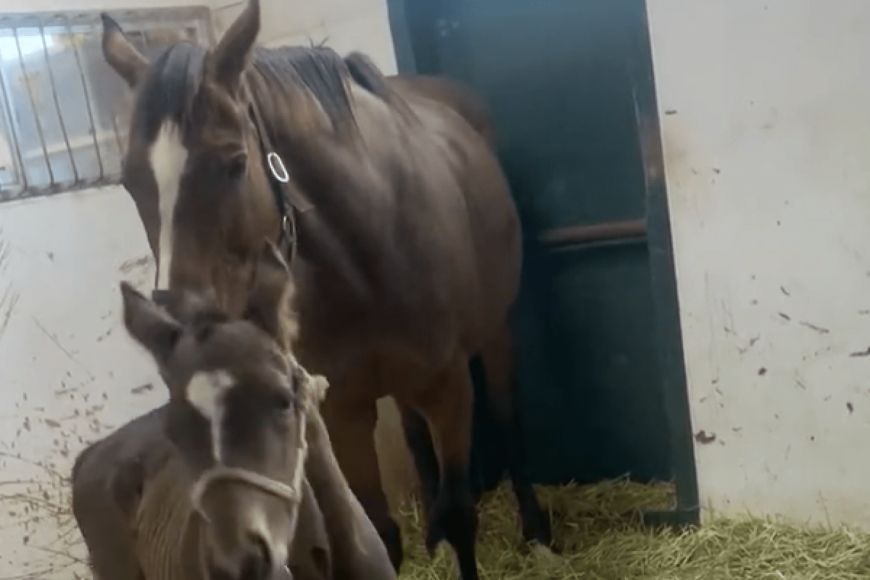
(276, 164)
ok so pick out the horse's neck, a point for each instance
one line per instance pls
(163, 539)
(357, 550)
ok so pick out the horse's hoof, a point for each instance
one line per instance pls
(545, 554)
(434, 536)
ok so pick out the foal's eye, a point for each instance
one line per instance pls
(281, 402)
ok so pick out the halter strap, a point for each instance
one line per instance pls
(289, 200)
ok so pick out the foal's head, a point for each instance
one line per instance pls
(194, 163)
(234, 418)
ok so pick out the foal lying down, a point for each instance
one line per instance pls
(234, 477)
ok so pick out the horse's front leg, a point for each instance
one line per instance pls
(351, 415)
(447, 406)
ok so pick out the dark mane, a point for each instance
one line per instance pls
(319, 69)
(174, 78)
(169, 88)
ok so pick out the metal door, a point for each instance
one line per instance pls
(569, 83)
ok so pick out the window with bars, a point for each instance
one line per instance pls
(64, 113)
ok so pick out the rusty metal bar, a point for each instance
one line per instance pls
(72, 158)
(608, 232)
(72, 135)
(118, 139)
(14, 143)
(33, 108)
(90, 106)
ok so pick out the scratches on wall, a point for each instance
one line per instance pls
(131, 265)
(804, 323)
(710, 297)
(53, 338)
(814, 327)
(704, 438)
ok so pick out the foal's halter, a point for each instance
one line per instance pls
(309, 394)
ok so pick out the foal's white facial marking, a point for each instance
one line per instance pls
(207, 391)
(168, 157)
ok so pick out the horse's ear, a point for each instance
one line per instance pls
(269, 303)
(120, 53)
(149, 325)
(229, 59)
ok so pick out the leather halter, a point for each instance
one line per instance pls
(288, 199)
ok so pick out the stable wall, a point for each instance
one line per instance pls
(69, 372)
(766, 135)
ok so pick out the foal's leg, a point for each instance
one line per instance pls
(498, 361)
(351, 425)
(447, 405)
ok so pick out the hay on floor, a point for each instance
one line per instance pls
(599, 531)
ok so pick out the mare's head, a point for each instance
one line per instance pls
(195, 166)
(234, 415)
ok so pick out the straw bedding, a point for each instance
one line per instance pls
(599, 532)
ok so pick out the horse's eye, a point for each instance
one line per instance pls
(236, 166)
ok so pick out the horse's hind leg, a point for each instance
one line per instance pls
(447, 405)
(425, 459)
(498, 363)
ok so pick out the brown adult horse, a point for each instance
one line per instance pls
(407, 264)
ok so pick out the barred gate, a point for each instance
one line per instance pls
(63, 112)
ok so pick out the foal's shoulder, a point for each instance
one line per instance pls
(117, 466)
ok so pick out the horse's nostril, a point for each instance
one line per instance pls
(258, 565)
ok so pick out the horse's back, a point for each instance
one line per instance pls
(443, 220)
(456, 95)
(454, 117)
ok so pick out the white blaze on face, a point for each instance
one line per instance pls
(207, 391)
(168, 157)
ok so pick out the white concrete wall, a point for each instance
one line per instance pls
(68, 372)
(766, 134)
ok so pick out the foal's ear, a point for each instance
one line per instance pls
(120, 53)
(230, 57)
(269, 303)
(149, 325)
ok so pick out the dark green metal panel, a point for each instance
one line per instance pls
(602, 380)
